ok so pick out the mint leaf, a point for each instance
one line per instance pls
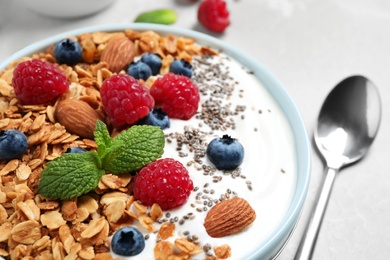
(102, 139)
(70, 175)
(104, 142)
(134, 148)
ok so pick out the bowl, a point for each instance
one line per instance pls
(67, 9)
(288, 134)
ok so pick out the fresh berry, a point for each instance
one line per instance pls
(156, 117)
(177, 95)
(125, 99)
(38, 82)
(225, 153)
(165, 182)
(154, 61)
(139, 70)
(181, 67)
(75, 150)
(128, 241)
(68, 52)
(213, 15)
(13, 144)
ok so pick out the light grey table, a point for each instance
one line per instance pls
(309, 45)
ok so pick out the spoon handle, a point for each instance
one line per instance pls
(305, 249)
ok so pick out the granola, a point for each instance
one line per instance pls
(36, 227)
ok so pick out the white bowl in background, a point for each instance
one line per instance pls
(68, 8)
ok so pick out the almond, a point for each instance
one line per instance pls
(77, 117)
(118, 53)
(229, 217)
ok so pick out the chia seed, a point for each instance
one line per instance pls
(214, 80)
(216, 86)
(207, 247)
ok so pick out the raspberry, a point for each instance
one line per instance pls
(165, 182)
(177, 95)
(38, 82)
(125, 99)
(213, 15)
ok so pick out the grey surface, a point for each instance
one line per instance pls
(309, 46)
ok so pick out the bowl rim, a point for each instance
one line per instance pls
(277, 240)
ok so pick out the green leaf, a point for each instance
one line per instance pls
(70, 175)
(161, 16)
(134, 148)
(111, 152)
(102, 139)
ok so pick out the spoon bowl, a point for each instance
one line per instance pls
(347, 125)
(348, 121)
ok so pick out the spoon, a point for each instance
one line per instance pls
(347, 125)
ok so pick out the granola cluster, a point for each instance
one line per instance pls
(36, 227)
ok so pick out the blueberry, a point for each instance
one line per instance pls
(225, 153)
(153, 60)
(68, 52)
(156, 117)
(13, 144)
(139, 70)
(181, 67)
(75, 150)
(128, 241)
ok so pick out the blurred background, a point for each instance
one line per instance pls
(309, 46)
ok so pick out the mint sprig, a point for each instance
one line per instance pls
(74, 174)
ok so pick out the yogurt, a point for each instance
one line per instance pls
(266, 179)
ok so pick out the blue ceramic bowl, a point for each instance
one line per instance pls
(273, 245)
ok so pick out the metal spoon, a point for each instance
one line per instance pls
(347, 125)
